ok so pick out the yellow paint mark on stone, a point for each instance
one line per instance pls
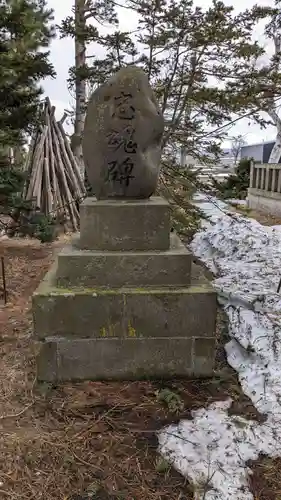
(131, 331)
(103, 332)
(107, 332)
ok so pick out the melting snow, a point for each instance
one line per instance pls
(242, 203)
(213, 448)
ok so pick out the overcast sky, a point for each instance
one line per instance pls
(62, 55)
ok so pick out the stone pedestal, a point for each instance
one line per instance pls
(124, 301)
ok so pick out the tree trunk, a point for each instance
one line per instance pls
(272, 111)
(80, 84)
(183, 156)
(236, 154)
(276, 150)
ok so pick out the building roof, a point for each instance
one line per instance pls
(257, 144)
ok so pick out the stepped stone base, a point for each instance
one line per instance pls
(128, 359)
(123, 333)
(125, 224)
(138, 312)
(90, 268)
(124, 300)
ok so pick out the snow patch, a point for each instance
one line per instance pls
(212, 450)
(235, 202)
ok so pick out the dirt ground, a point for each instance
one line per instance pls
(93, 440)
(262, 218)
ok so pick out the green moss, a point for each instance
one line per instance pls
(48, 287)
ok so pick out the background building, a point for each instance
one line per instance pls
(225, 161)
(259, 152)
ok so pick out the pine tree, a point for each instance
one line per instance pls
(201, 64)
(77, 26)
(236, 185)
(272, 104)
(25, 34)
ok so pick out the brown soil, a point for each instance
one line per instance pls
(264, 219)
(91, 440)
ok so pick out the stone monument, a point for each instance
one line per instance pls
(122, 137)
(123, 300)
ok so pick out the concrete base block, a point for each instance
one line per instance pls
(125, 225)
(90, 268)
(124, 312)
(113, 359)
(122, 302)
(63, 360)
(204, 350)
(264, 201)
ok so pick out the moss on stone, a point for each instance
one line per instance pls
(54, 291)
(48, 287)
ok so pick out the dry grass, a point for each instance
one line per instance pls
(262, 218)
(265, 219)
(91, 440)
(266, 479)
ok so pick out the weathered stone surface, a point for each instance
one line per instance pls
(204, 350)
(118, 269)
(126, 312)
(122, 137)
(47, 362)
(125, 225)
(131, 358)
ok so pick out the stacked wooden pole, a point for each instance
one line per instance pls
(54, 182)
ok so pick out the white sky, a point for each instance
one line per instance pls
(62, 56)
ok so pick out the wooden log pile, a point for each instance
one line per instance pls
(54, 183)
